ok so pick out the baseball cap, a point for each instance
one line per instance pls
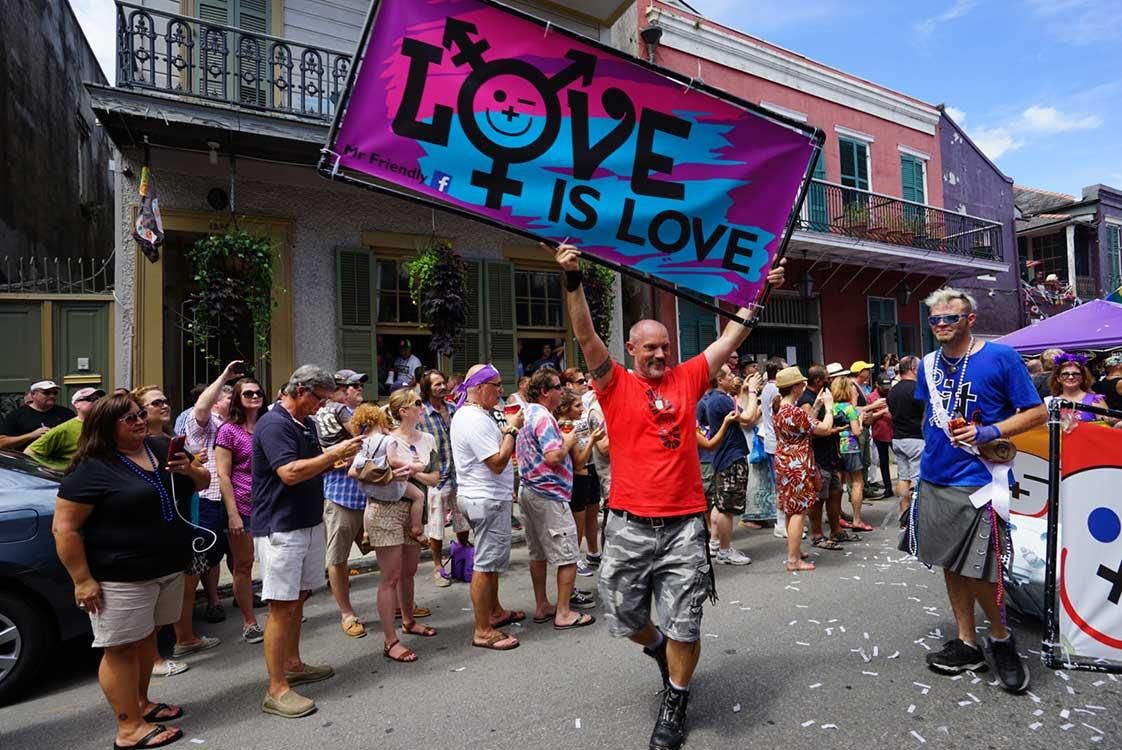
(350, 377)
(860, 366)
(44, 385)
(835, 370)
(86, 394)
(884, 380)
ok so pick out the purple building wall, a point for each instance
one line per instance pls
(1110, 207)
(972, 184)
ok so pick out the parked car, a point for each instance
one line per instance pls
(37, 610)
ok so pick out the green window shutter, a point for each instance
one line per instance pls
(214, 12)
(252, 16)
(816, 197)
(1113, 253)
(500, 319)
(697, 328)
(355, 338)
(470, 352)
(854, 164)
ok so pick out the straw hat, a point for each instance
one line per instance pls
(788, 377)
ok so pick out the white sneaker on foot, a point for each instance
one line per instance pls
(733, 557)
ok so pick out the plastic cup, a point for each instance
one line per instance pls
(567, 427)
(511, 409)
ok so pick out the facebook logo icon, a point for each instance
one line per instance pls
(441, 181)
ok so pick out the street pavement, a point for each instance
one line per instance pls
(832, 657)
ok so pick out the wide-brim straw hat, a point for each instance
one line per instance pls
(788, 377)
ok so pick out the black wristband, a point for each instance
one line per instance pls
(573, 280)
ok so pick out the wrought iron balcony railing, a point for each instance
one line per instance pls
(835, 209)
(211, 61)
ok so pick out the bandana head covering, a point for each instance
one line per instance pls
(487, 372)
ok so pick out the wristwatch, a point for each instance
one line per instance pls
(512, 431)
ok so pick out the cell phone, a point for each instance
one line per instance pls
(176, 446)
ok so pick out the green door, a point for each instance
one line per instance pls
(81, 346)
(697, 328)
(22, 361)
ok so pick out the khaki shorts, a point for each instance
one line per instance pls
(131, 610)
(387, 523)
(490, 523)
(551, 532)
(344, 528)
(290, 562)
(440, 503)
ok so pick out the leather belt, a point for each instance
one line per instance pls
(655, 521)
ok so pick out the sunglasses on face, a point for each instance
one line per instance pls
(253, 394)
(418, 402)
(87, 399)
(554, 387)
(134, 417)
(1071, 376)
(159, 402)
(582, 381)
(945, 320)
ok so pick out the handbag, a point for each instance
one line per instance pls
(373, 473)
(463, 561)
(758, 455)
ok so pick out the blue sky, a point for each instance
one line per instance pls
(1036, 83)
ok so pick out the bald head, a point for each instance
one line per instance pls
(649, 344)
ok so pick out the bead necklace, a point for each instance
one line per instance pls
(167, 507)
(964, 360)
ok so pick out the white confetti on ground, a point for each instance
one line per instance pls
(829, 726)
(871, 674)
(578, 723)
(815, 685)
(919, 737)
(807, 723)
(911, 708)
(1035, 725)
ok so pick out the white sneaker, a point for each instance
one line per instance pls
(733, 557)
(779, 532)
(714, 547)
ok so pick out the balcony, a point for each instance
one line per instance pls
(218, 64)
(872, 225)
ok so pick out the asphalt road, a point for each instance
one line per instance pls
(784, 662)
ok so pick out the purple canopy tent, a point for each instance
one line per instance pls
(1093, 326)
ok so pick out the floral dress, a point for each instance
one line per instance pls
(796, 476)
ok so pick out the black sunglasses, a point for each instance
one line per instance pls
(253, 394)
(159, 402)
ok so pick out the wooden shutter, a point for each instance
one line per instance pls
(214, 12)
(697, 329)
(470, 351)
(854, 164)
(1114, 256)
(499, 304)
(355, 338)
(252, 16)
(816, 197)
(911, 174)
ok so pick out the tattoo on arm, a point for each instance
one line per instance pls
(601, 369)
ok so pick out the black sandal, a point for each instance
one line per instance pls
(145, 740)
(152, 716)
(823, 543)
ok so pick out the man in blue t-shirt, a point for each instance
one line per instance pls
(988, 387)
(287, 527)
(730, 470)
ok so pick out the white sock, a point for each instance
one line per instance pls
(1000, 640)
(679, 688)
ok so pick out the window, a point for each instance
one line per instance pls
(1051, 250)
(854, 164)
(245, 60)
(913, 186)
(1113, 251)
(82, 164)
(394, 303)
(537, 299)
(697, 329)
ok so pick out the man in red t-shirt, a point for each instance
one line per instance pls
(655, 536)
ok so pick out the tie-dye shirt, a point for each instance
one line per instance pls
(539, 435)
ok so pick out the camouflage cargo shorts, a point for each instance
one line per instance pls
(709, 484)
(665, 563)
(732, 488)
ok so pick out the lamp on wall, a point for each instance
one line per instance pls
(805, 285)
(651, 36)
(903, 293)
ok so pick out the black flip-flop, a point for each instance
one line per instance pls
(544, 620)
(580, 622)
(144, 741)
(153, 717)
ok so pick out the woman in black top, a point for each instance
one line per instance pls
(120, 532)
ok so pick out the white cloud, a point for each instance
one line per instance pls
(956, 114)
(959, 9)
(1081, 21)
(1051, 120)
(996, 142)
(99, 23)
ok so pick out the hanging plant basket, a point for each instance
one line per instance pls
(599, 290)
(438, 286)
(234, 272)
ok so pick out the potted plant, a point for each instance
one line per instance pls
(855, 218)
(234, 273)
(599, 290)
(438, 286)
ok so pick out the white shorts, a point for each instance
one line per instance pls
(131, 610)
(291, 562)
(440, 502)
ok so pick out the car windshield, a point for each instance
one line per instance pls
(20, 472)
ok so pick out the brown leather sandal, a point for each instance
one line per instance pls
(408, 657)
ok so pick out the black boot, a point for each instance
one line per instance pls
(659, 655)
(670, 729)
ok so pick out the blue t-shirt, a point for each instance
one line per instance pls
(997, 383)
(704, 455)
(279, 440)
(733, 446)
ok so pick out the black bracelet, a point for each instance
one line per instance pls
(573, 280)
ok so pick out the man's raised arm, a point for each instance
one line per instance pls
(717, 353)
(595, 351)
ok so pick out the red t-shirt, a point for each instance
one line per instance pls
(652, 428)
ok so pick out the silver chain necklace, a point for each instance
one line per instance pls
(952, 367)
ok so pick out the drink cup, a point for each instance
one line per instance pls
(511, 409)
(567, 427)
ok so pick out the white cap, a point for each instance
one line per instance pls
(44, 385)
